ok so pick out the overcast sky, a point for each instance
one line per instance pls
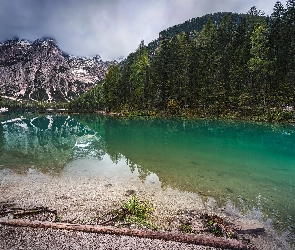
(109, 28)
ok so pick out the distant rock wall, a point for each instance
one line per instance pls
(39, 70)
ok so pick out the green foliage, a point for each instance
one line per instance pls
(136, 212)
(92, 100)
(138, 77)
(195, 25)
(214, 228)
(57, 218)
(186, 228)
(259, 48)
(218, 226)
(278, 115)
(172, 107)
(29, 105)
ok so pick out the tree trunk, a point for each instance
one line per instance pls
(185, 238)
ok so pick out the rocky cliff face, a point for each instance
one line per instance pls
(39, 70)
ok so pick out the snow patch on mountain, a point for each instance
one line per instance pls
(39, 70)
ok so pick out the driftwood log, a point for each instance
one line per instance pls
(185, 238)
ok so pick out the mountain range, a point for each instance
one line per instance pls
(39, 71)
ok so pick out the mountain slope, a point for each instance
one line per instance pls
(197, 24)
(193, 27)
(233, 69)
(39, 70)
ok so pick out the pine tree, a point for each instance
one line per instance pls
(126, 92)
(259, 63)
(289, 19)
(208, 71)
(225, 35)
(238, 71)
(139, 77)
(111, 87)
(159, 75)
(278, 54)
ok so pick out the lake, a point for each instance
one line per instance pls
(251, 165)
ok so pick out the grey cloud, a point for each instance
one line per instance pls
(110, 28)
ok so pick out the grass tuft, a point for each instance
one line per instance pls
(136, 212)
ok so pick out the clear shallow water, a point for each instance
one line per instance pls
(251, 164)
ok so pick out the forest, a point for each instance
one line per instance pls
(242, 66)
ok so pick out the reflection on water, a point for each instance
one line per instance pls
(45, 143)
(252, 165)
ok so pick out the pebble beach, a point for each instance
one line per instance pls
(86, 199)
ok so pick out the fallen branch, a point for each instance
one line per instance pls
(36, 210)
(6, 211)
(185, 238)
(20, 212)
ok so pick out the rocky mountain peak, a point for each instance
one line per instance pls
(39, 70)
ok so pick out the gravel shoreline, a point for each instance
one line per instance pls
(31, 238)
(81, 198)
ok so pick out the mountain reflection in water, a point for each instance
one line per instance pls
(45, 143)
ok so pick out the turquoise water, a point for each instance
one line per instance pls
(251, 164)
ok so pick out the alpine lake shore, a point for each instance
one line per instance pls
(84, 200)
(102, 201)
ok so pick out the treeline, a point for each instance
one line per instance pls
(195, 25)
(234, 69)
(30, 105)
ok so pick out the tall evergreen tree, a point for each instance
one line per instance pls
(159, 75)
(126, 89)
(239, 74)
(139, 77)
(259, 63)
(278, 53)
(208, 71)
(111, 88)
(290, 23)
(225, 33)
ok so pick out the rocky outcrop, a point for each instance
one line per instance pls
(39, 70)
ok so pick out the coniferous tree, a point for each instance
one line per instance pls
(207, 48)
(290, 42)
(139, 77)
(125, 88)
(259, 64)
(159, 75)
(111, 87)
(225, 34)
(238, 72)
(278, 53)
